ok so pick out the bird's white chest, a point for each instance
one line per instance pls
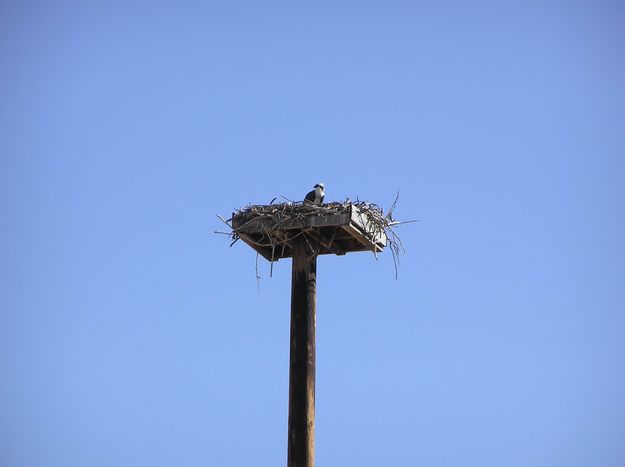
(318, 195)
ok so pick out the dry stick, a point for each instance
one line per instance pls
(224, 220)
(390, 211)
(269, 244)
(317, 251)
(242, 227)
(257, 276)
(285, 243)
(394, 261)
(322, 242)
(273, 249)
(332, 239)
(257, 243)
(309, 245)
(398, 238)
(403, 222)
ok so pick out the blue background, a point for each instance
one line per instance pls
(130, 334)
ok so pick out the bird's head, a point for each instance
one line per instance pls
(321, 186)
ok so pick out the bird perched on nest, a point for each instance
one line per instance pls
(316, 196)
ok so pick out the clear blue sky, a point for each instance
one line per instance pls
(131, 335)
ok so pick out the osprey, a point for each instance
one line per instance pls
(316, 196)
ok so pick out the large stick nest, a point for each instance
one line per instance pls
(276, 216)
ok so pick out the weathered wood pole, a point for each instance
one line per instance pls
(301, 444)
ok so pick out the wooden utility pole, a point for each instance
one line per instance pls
(301, 443)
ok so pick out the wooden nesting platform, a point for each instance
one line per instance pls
(326, 232)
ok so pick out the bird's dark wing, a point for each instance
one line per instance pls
(310, 196)
(321, 199)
